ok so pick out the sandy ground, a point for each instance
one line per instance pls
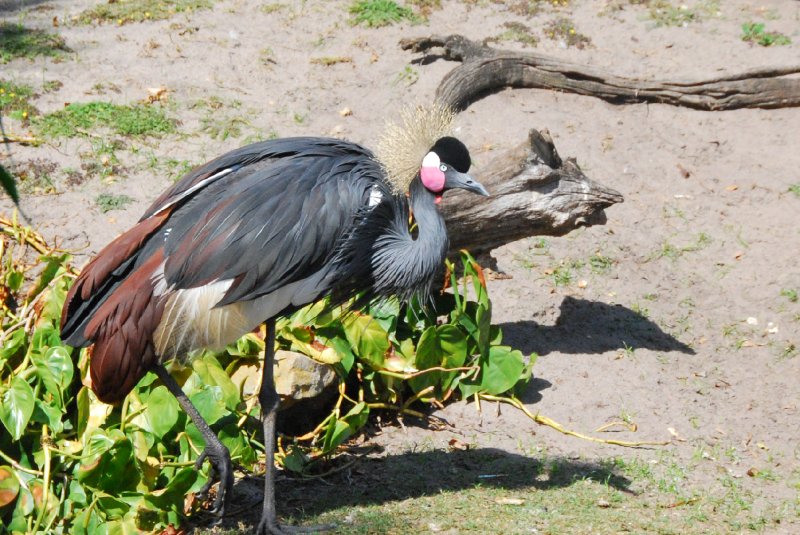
(689, 332)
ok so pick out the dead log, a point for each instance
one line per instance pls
(533, 193)
(485, 69)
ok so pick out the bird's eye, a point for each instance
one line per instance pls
(443, 168)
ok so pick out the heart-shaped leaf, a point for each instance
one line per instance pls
(161, 412)
(17, 406)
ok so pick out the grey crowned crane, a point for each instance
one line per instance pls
(256, 233)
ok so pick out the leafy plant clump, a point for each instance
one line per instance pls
(127, 11)
(17, 41)
(755, 32)
(378, 13)
(132, 120)
(71, 464)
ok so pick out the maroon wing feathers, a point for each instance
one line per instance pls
(122, 330)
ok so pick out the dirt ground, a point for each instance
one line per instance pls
(680, 315)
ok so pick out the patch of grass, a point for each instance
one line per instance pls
(17, 41)
(327, 61)
(564, 273)
(126, 11)
(666, 13)
(14, 101)
(600, 263)
(222, 119)
(755, 32)
(790, 294)
(673, 252)
(102, 160)
(378, 13)
(173, 167)
(107, 202)
(795, 188)
(563, 29)
(518, 33)
(408, 76)
(127, 120)
(272, 8)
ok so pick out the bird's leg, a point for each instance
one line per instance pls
(221, 468)
(269, 400)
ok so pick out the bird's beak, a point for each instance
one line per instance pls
(454, 179)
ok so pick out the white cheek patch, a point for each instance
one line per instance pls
(431, 160)
(430, 174)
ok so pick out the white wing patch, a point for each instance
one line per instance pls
(191, 319)
(375, 196)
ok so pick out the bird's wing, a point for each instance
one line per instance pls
(266, 223)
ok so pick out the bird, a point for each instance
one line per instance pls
(258, 233)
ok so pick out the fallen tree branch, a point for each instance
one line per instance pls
(485, 69)
(533, 193)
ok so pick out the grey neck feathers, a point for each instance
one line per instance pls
(406, 263)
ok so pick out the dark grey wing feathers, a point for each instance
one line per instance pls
(269, 222)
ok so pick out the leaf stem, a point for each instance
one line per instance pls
(544, 420)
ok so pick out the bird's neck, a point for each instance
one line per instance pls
(431, 230)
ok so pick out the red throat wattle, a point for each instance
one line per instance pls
(432, 178)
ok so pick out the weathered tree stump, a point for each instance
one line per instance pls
(533, 193)
(485, 69)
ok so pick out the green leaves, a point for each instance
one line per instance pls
(442, 346)
(161, 412)
(17, 406)
(367, 338)
(127, 468)
(502, 370)
(9, 487)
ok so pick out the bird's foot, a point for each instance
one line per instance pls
(220, 470)
(270, 526)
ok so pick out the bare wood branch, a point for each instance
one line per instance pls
(534, 193)
(485, 69)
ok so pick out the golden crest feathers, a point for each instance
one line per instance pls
(403, 145)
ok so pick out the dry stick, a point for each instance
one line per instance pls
(544, 420)
(486, 69)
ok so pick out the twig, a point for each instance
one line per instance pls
(22, 140)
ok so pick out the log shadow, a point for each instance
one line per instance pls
(591, 327)
(377, 480)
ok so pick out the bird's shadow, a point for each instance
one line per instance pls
(591, 327)
(375, 480)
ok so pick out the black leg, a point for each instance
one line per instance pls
(221, 468)
(269, 400)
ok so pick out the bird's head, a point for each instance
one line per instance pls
(445, 167)
(421, 147)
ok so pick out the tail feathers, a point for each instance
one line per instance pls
(100, 278)
(122, 330)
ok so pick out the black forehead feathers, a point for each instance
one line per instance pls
(452, 151)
